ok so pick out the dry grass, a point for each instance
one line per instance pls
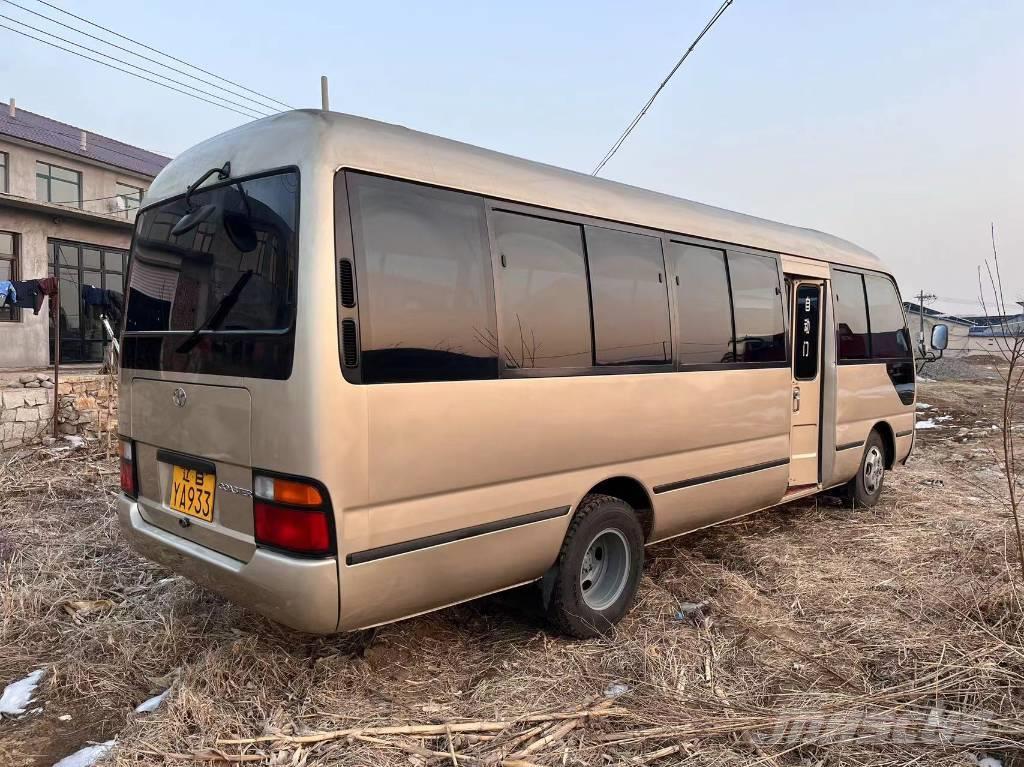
(812, 611)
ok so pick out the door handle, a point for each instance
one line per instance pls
(796, 399)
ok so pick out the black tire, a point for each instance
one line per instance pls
(609, 524)
(865, 489)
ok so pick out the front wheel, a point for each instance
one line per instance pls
(594, 582)
(865, 489)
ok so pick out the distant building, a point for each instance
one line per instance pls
(67, 207)
(996, 334)
(959, 328)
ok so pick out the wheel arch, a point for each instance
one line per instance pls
(631, 491)
(888, 441)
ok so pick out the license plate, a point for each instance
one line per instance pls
(192, 492)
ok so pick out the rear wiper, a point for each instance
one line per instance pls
(194, 217)
(220, 313)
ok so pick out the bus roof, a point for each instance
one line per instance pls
(309, 136)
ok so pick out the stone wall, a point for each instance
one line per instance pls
(88, 407)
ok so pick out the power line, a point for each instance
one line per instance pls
(74, 204)
(139, 55)
(136, 66)
(166, 55)
(636, 120)
(127, 71)
(87, 199)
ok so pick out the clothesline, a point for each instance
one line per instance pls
(29, 294)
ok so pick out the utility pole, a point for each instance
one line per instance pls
(921, 298)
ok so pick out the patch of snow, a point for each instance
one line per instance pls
(922, 379)
(927, 423)
(615, 689)
(88, 756)
(17, 695)
(939, 419)
(988, 761)
(76, 441)
(923, 406)
(64, 718)
(152, 704)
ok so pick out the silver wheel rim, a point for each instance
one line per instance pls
(605, 569)
(874, 469)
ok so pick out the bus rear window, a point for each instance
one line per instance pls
(230, 268)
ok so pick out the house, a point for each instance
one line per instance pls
(959, 328)
(67, 207)
(997, 333)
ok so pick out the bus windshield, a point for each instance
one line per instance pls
(233, 271)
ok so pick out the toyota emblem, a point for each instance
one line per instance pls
(179, 397)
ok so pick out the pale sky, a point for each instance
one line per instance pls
(896, 124)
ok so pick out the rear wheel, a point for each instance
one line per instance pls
(865, 489)
(594, 582)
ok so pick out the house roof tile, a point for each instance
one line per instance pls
(29, 126)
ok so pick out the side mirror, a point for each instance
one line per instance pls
(192, 219)
(940, 337)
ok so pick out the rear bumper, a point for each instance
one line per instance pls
(300, 593)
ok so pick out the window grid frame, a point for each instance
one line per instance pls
(12, 315)
(54, 265)
(49, 183)
(141, 192)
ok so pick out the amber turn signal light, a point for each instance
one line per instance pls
(287, 491)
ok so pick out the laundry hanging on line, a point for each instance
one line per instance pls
(8, 295)
(109, 302)
(29, 294)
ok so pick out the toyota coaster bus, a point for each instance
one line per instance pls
(369, 372)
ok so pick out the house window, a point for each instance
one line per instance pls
(128, 197)
(9, 271)
(61, 186)
(91, 279)
(4, 164)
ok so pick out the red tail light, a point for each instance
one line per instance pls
(292, 515)
(298, 530)
(128, 485)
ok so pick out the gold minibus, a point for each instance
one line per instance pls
(369, 372)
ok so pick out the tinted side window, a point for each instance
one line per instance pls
(705, 315)
(851, 315)
(631, 325)
(889, 335)
(426, 309)
(806, 320)
(545, 305)
(757, 307)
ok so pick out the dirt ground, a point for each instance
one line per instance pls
(756, 642)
